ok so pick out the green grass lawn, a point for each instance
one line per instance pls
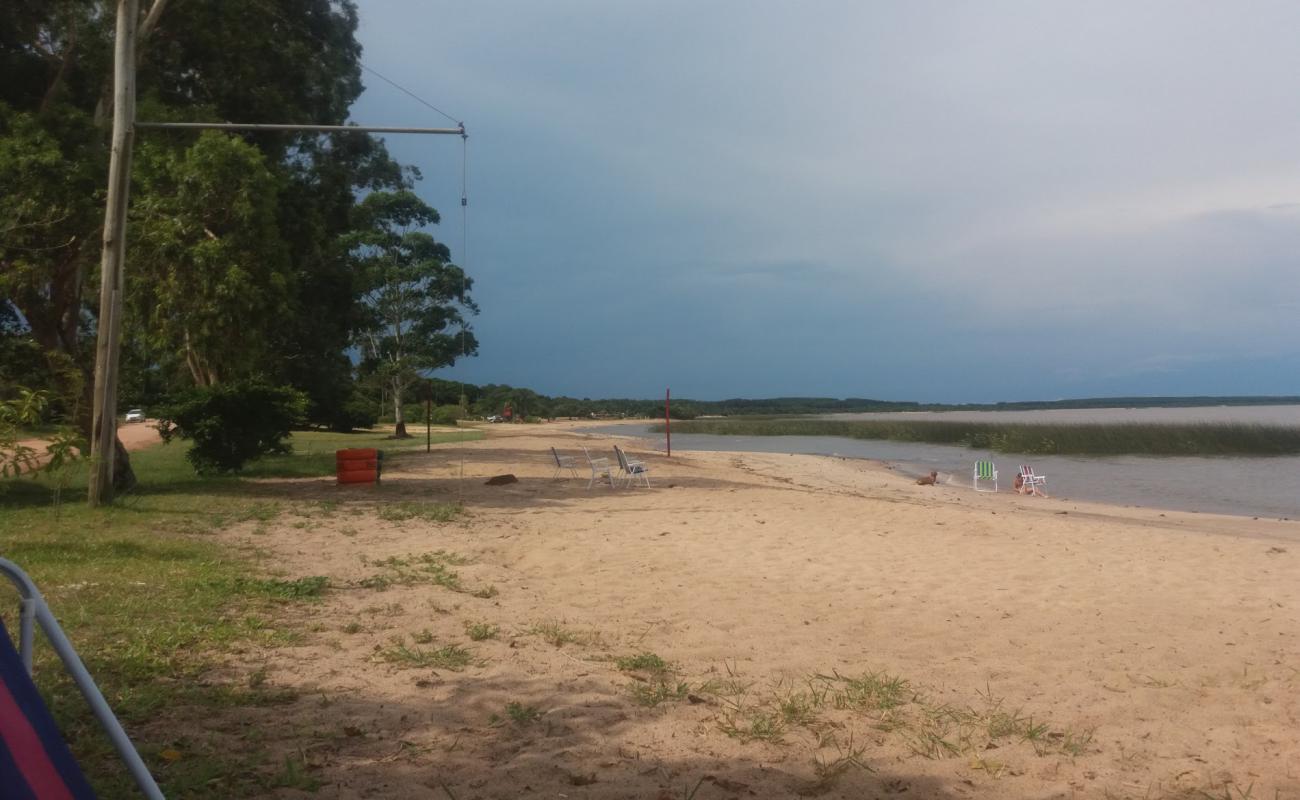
(152, 603)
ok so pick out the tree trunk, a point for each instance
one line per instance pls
(399, 414)
(124, 478)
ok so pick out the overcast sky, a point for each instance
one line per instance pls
(903, 200)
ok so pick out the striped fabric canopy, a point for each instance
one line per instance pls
(35, 763)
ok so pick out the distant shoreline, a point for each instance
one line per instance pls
(1030, 438)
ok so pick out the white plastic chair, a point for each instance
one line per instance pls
(600, 468)
(1032, 482)
(632, 469)
(985, 471)
(562, 463)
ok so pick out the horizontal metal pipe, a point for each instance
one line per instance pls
(259, 126)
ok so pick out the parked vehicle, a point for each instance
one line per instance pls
(135, 415)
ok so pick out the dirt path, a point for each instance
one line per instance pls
(826, 628)
(135, 436)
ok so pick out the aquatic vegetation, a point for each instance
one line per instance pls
(1096, 439)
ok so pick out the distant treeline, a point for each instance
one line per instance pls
(492, 398)
(1093, 439)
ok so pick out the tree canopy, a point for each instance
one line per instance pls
(414, 299)
(250, 256)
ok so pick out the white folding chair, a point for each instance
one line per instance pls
(1032, 482)
(632, 469)
(600, 468)
(562, 463)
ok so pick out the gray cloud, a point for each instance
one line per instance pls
(928, 200)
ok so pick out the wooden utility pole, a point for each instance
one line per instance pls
(103, 438)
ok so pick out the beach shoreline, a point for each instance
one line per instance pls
(1156, 649)
(1252, 486)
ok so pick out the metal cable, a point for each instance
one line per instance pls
(464, 269)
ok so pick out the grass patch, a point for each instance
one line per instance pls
(427, 512)
(657, 691)
(521, 714)
(1093, 439)
(558, 634)
(479, 631)
(830, 770)
(312, 454)
(425, 568)
(300, 589)
(152, 604)
(642, 662)
(659, 685)
(752, 724)
(452, 657)
(826, 705)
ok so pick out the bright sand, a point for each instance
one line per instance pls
(1051, 648)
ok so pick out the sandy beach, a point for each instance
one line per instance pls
(824, 627)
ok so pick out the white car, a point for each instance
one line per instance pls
(135, 415)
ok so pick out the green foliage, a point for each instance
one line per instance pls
(452, 656)
(479, 631)
(232, 424)
(415, 300)
(301, 588)
(48, 238)
(239, 264)
(154, 610)
(213, 270)
(447, 415)
(521, 714)
(642, 662)
(26, 410)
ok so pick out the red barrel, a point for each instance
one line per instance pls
(358, 465)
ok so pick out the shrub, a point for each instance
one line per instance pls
(28, 408)
(358, 411)
(234, 423)
(447, 415)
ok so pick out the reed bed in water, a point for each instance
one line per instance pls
(1095, 439)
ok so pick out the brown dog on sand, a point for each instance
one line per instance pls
(928, 480)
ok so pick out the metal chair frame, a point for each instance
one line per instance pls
(632, 469)
(562, 463)
(600, 468)
(34, 611)
(992, 475)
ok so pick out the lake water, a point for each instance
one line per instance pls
(1255, 487)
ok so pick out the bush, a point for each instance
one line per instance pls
(447, 415)
(357, 412)
(28, 408)
(233, 423)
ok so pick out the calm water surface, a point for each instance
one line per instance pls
(1256, 487)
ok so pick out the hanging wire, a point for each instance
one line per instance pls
(464, 270)
(301, 28)
(407, 91)
(464, 203)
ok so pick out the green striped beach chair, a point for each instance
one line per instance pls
(985, 471)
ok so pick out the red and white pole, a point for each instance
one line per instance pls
(668, 420)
